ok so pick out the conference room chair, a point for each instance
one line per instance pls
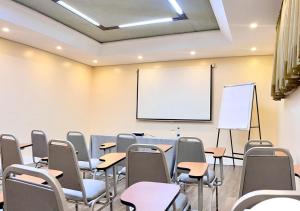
(124, 140)
(10, 151)
(62, 157)
(252, 198)
(39, 148)
(20, 195)
(86, 163)
(264, 170)
(257, 143)
(191, 149)
(145, 164)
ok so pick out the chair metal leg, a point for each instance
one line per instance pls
(217, 199)
(200, 194)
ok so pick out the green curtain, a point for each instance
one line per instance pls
(286, 73)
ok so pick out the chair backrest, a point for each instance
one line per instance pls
(257, 143)
(62, 157)
(10, 151)
(124, 140)
(78, 141)
(190, 149)
(267, 171)
(39, 144)
(22, 195)
(251, 199)
(146, 163)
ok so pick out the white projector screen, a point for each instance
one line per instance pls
(174, 94)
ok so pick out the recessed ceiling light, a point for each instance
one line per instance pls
(77, 12)
(95, 61)
(160, 20)
(58, 47)
(176, 7)
(253, 25)
(253, 49)
(193, 53)
(140, 57)
(5, 29)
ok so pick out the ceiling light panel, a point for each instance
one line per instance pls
(77, 12)
(176, 7)
(160, 20)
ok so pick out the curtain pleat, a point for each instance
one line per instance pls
(286, 72)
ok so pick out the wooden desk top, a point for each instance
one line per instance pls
(197, 169)
(164, 147)
(110, 159)
(23, 146)
(280, 154)
(32, 179)
(107, 145)
(217, 151)
(150, 196)
(37, 180)
(297, 170)
(1, 199)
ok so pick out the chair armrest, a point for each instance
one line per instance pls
(297, 170)
(196, 169)
(110, 160)
(216, 151)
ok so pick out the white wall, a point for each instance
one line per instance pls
(39, 90)
(289, 124)
(114, 99)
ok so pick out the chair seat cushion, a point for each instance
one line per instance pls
(93, 189)
(185, 178)
(84, 165)
(181, 203)
(122, 171)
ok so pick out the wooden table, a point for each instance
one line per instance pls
(196, 170)
(37, 180)
(297, 170)
(32, 179)
(23, 146)
(107, 146)
(150, 196)
(217, 152)
(110, 160)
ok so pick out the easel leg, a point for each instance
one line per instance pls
(217, 146)
(232, 153)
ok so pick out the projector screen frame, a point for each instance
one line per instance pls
(212, 66)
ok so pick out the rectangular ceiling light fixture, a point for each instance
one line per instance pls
(176, 7)
(161, 20)
(72, 9)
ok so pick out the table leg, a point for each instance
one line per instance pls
(200, 194)
(114, 181)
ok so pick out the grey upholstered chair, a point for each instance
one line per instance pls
(252, 198)
(257, 143)
(21, 195)
(62, 157)
(267, 171)
(124, 140)
(86, 163)
(150, 166)
(10, 151)
(39, 147)
(191, 149)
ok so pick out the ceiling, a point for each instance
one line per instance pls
(111, 13)
(232, 38)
